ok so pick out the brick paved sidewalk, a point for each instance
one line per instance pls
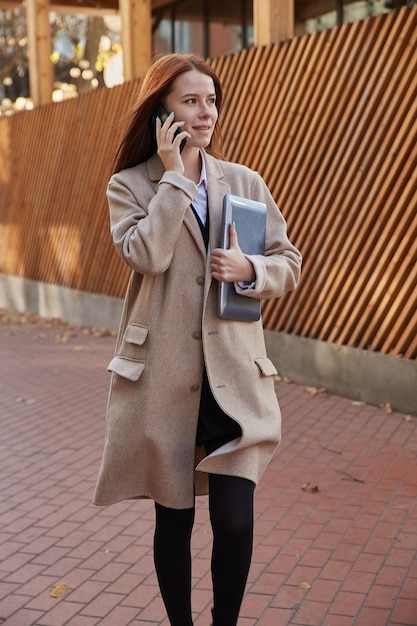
(336, 514)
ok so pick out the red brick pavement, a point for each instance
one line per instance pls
(336, 514)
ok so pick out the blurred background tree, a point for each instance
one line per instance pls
(13, 54)
(82, 48)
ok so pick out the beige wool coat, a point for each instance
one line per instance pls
(170, 328)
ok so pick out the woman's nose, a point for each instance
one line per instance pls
(204, 111)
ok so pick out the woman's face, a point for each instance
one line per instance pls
(193, 100)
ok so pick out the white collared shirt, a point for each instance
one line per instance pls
(200, 206)
(200, 200)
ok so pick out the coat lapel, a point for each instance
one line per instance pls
(217, 187)
(155, 171)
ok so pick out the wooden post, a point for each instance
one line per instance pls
(136, 37)
(40, 50)
(273, 20)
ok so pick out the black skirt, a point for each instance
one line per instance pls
(214, 428)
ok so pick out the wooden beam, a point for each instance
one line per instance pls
(9, 5)
(40, 50)
(273, 21)
(136, 36)
(89, 11)
(82, 5)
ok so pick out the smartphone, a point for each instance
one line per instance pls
(162, 113)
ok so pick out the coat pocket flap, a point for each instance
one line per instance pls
(135, 333)
(126, 367)
(266, 366)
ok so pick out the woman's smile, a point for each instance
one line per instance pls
(203, 129)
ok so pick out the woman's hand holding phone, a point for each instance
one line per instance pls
(169, 138)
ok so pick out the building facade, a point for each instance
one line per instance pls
(141, 31)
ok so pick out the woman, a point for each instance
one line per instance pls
(192, 407)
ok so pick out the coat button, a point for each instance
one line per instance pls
(200, 280)
(196, 334)
(195, 388)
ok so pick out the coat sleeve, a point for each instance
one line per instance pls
(145, 231)
(278, 271)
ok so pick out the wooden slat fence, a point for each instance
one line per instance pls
(328, 119)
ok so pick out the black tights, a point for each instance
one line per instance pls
(231, 516)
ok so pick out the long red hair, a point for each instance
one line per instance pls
(139, 142)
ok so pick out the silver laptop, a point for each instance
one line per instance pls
(249, 219)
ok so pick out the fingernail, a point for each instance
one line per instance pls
(172, 113)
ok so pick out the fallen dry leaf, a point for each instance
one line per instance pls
(283, 379)
(101, 332)
(409, 418)
(25, 400)
(386, 408)
(306, 487)
(17, 321)
(65, 336)
(8, 317)
(60, 590)
(358, 403)
(314, 391)
(304, 585)
(39, 336)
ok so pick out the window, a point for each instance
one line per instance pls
(207, 27)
